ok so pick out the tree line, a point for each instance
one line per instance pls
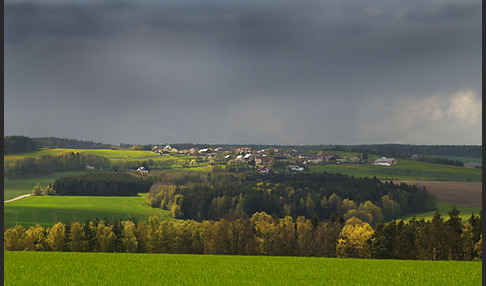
(319, 196)
(405, 150)
(19, 144)
(261, 234)
(55, 142)
(23, 144)
(443, 161)
(101, 184)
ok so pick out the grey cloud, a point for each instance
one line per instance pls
(253, 72)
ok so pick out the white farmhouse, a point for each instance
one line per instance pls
(142, 171)
(384, 161)
(296, 168)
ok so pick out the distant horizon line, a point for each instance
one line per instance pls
(244, 144)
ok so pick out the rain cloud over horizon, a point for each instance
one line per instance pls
(245, 72)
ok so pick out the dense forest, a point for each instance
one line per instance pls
(54, 142)
(319, 196)
(23, 144)
(262, 234)
(101, 184)
(19, 144)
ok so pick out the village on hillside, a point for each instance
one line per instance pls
(264, 160)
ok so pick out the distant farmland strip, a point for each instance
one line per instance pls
(405, 170)
(467, 194)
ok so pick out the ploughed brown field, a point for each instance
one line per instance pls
(467, 194)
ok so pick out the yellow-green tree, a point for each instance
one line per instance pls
(347, 205)
(304, 236)
(176, 208)
(129, 239)
(105, 237)
(143, 235)
(14, 238)
(265, 230)
(353, 240)
(286, 237)
(478, 247)
(360, 214)
(150, 238)
(373, 209)
(35, 238)
(163, 237)
(77, 237)
(56, 237)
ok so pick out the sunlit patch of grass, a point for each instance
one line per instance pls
(47, 210)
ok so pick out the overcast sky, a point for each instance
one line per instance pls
(234, 71)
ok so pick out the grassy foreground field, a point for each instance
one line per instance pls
(14, 187)
(51, 268)
(47, 210)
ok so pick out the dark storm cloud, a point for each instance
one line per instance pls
(289, 72)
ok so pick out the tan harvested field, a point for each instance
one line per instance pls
(467, 194)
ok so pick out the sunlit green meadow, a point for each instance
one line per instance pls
(47, 210)
(58, 268)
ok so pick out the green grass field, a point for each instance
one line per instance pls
(47, 210)
(112, 154)
(405, 170)
(108, 153)
(57, 268)
(14, 187)
(115, 156)
(444, 209)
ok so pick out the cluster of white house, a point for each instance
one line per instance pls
(263, 160)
